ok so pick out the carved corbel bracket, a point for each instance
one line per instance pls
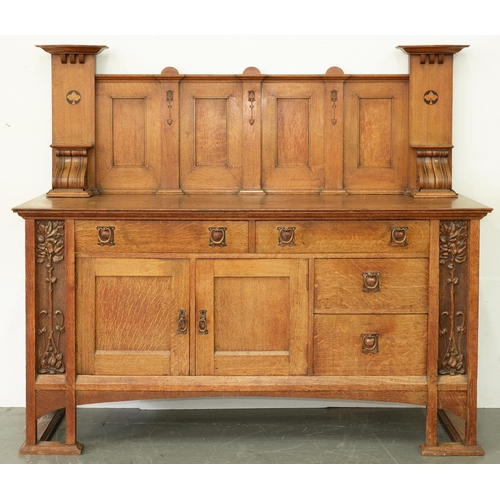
(434, 178)
(69, 174)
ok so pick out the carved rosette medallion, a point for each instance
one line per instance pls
(50, 253)
(453, 296)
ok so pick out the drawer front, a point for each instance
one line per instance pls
(391, 237)
(360, 286)
(370, 344)
(161, 237)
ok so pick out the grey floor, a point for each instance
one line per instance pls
(256, 436)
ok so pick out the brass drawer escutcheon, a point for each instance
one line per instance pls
(398, 236)
(105, 235)
(371, 282)
(286, 236)
(217, 236)
(369, 343)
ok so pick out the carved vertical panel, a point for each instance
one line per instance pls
(50, 297)
(453, 254)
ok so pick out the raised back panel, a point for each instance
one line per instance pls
(210, 144)
(293, 136)
(128, 137)
(376, 136)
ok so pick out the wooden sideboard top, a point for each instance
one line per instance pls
(327, 207)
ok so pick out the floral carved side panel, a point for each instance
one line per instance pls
(50, 297)
(453, 255)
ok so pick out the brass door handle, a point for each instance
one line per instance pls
(182, 322)
(202, 323)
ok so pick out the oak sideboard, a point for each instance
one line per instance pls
(254, 235)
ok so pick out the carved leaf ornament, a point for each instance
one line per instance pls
(453, 251)
(50, 251)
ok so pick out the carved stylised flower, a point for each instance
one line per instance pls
(50, 239)
(453, 242)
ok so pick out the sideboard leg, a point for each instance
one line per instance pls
(456, 429)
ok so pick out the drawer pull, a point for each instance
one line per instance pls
(371, 282)
(105, 235)
(217, 236)
(398, 236)
(202, 323)
(369, 343)
(286, 236)
(182, 323)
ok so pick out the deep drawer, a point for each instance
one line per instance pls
(391, 237)
(161, 236)
(358, 286)
(370, 344)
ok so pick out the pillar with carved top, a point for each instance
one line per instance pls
(430, 108)
(73, 117)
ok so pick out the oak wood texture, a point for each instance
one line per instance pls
(252, 235)
(344, 237)
(167, 236)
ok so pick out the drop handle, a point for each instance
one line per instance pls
(286, 236)
(217, 236)
(371, 282)
(202, 323)
(399, 236)
(182, 322)
(369, 343)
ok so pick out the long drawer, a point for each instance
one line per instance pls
(391, 237)
(161, 236)
(373, 344)
(358, 286)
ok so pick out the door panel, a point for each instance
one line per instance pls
(256, 317)
(128, 316)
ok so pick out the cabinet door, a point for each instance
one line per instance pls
(252, 317)
(129, 316)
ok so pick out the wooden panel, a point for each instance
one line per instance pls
(73, 105)
(172, 236)
(343, 237)
(431, 94)
(255, 363)
(376, 136)
(211, 147)
(257, 317)
(127, 316)
(211, 137)
(338, 345)
(266, 312)
(129, 155)
(140, 322)
(129, 126)
(293, 132)
(293, 146)
(375, 133)
(132, 363)
(403, 286)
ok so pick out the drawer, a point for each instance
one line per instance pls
(391, 237)
(371, 285)
(370, 344)
(107, 236)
